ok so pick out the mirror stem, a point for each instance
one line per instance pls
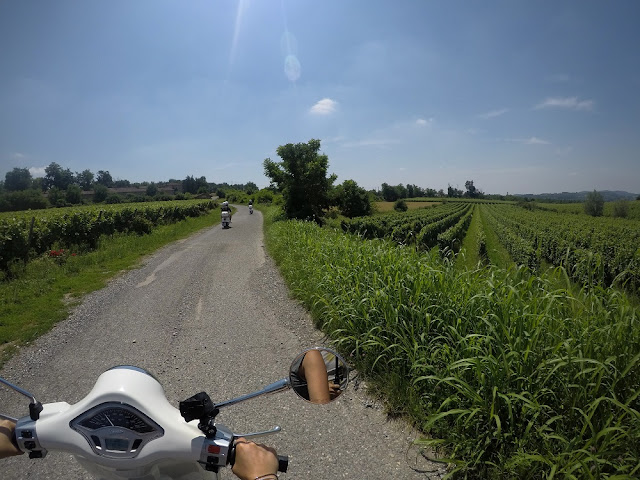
(278, 386)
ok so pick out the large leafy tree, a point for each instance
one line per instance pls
(85, 179)
(18, 179)
(58, 177)
(352, 200)
(301, 176)
(104, 178)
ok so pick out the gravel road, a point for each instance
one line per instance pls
(211, 313)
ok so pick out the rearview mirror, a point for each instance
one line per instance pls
(319, 375)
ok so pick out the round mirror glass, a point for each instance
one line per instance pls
(319, 375)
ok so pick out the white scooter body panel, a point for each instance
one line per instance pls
(124, 387)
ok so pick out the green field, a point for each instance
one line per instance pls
(578, 208)
(509, 336)
(511, 366)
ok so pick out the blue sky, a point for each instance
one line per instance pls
(520, 97)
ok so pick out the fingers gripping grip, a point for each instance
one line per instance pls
(283, 460)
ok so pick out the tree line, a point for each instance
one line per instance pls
(308, 192)
(61, 187)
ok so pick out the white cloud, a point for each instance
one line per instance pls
(37, 171)
(536, 141)
(326, 106)
(572, 103)
(493, 113)
(424, 122)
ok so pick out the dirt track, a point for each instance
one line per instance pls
(211, 313)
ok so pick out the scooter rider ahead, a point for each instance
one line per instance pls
(226, 208)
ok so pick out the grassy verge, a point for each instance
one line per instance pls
(497, 254)
(470, 245)
(47, 287)
(511, 376)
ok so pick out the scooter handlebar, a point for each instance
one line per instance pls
(283, 463)
(283, 460)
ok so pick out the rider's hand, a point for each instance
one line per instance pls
(334, 390)
(7, 447)
(254, 460)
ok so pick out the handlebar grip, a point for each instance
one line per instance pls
(283, 460)
(283, 463)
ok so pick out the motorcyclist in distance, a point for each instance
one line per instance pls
(226, 208)
(253, 461)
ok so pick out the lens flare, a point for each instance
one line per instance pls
(292, 68)
(288, 44)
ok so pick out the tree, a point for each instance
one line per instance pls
(104, 178)
(302, 179)
(73, 194)
(121, 183)
(189, 185)
(400, 205)
(56, 197)
(621, 208)
(57, 177)
(100, 193)
(18, 179)
(353, 200)
(389, 193)
(594, 204)
(85, 179)
(472, 191)
(152, 189)
(202, 186)
(454, 192)
(22, 200)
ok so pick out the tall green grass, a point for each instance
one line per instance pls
(509, 375)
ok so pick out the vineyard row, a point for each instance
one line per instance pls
(22, 238)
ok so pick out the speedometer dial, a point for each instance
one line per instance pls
(116, 430)
(117, 417)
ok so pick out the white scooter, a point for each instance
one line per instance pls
(225, 218)
(125, 428)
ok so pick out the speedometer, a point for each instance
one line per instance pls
(116, 430)
(117, 417)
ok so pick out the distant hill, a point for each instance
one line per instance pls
(574, 197)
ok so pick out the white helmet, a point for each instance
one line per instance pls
(225, 204)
